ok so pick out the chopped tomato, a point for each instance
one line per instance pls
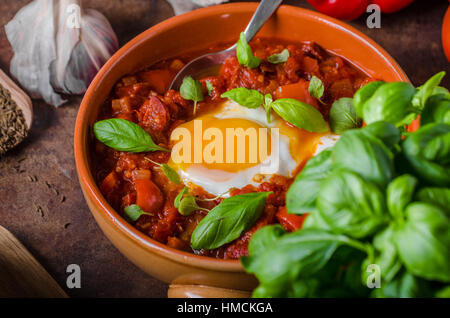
(290, 222)
(148, 195)
(159, 80)
(310, 65)
(109, 183)
(297, 91)
(154, 114)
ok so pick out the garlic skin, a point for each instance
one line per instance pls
(58, 48)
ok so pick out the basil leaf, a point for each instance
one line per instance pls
(437, 110)
(279, 58)
(133, 212)
(299, 114)
(387, 257)
(316, 87)
(403, 286)
(391, 102)
(188, 205)
(302, 194)
(443, 292)
(423, 242)
(441, 91)
(343, 116)
(265, 238)
(268, 106)
(228, 220)
(427, 151)
(171, 174)
(366, 155)
(363, 94)
(426, 90)
(192, 89)
(176, 202)
(124, 135)
(249, 98)
(350, 205)
(437, 196)
(244, 53)
(209, 88)
(400, 193)
(316, 221)
(386, 132)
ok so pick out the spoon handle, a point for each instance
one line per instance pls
(265, 9)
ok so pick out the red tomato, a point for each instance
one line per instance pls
(390, 6)
(446, 34)
(341, 9)
(290, 222)
(297, 91)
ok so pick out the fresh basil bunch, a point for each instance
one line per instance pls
(373, 198)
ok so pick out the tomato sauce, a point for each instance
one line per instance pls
(143, 98)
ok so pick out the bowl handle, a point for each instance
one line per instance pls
(203, 291)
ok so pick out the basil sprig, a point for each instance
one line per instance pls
(176, 202)
(297, 113)
(279, 58)
(228, 220)
(244, 53)
(124, 135)
(192, 89)
(134, 212)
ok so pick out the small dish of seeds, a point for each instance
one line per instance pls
(16, 114)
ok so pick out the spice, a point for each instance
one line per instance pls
(13, 128)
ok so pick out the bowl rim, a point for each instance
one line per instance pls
(80, 152)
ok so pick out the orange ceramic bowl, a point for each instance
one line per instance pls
(197, 30)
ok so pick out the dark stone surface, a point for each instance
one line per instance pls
(65, 232)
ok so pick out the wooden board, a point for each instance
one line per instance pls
(20, 274)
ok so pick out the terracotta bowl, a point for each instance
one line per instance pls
(192, 275)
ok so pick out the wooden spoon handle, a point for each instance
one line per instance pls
(202, 291)
(20, 273)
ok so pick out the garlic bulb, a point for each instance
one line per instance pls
(58, 47)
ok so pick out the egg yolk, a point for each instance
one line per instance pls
(236, 144)
(228, 144)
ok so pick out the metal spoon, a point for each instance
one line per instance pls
(209, 62)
